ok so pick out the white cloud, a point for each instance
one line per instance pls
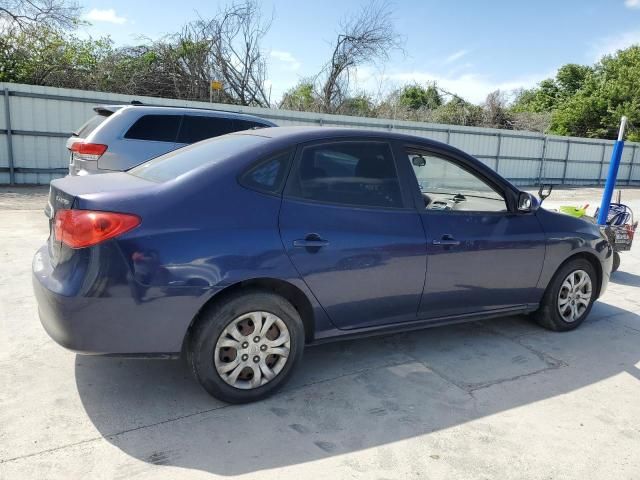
(613, 43)
(473, 87)
(290, 62)
(458, 55)
(108, 15)
(632, 3)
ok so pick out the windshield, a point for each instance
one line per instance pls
(183, 160)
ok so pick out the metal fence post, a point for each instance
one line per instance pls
(566, 162)
(7, 116)
(498, 152)
(633, 156)
(604, 149)
(543, 156)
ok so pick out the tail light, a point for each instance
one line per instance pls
(88, 151)
(84, 228)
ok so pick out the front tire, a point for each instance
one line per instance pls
(569, 296)
(246, 347)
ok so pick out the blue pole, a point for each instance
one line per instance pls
(610, 184)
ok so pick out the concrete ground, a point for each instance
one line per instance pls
(495, 399)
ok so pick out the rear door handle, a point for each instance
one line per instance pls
(446, 240)
(312, 240)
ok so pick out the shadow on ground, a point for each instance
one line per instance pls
(625, 278)
(354, 395)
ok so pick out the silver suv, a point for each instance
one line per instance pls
(120, 137)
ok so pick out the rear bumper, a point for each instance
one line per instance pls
(127, 320)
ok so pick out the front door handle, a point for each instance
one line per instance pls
(312, 240)
(446, 240)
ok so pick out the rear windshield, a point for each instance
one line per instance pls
(85, 130)
(179, 162)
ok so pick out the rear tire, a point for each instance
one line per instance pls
(246, 347)
(567, 301)
(616, 262)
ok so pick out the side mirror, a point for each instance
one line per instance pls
(527, 203)
(544, 191)
(418, 161)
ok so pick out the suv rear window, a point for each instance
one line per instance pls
(90, 125)
(181, 161)
(197, 128)
(159, 128)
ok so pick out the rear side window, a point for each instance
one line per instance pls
(91, 124)
(197, 128)
(158, 128)
(268, 176)
(178, 162)
(349, 173)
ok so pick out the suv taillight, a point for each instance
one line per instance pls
(84, 228)
(88, 151)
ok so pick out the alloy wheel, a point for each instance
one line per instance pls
(575, 295)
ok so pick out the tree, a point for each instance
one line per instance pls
(608, 93)
(300, 98)
(458, 112)
(358, 106)
(495, 111)
(416, 96)
(235, 55)
(364, 38)
(39, 55)
(53, 14)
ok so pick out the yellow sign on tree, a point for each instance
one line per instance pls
(216, 85)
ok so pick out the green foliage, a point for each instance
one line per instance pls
(610, 92)
(416, 96)
(359, 106)
(301, 98)
(459, 112)
(42, 56)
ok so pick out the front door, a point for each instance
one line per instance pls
(353, 234)
(481, 257)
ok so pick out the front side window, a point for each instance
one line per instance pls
(445, 185)
(350, 173)
(158, 128)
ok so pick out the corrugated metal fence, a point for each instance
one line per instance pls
(37, 121)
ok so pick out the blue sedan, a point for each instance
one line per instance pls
(240, 250)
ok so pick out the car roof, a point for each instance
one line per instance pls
(159, 110)
(304, 134)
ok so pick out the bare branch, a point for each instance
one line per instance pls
(364, 38)
(56, 14)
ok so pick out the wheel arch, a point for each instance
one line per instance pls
(285, 289)
(590, 257)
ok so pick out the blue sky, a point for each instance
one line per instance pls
(468, 46)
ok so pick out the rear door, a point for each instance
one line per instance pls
(353, 234)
